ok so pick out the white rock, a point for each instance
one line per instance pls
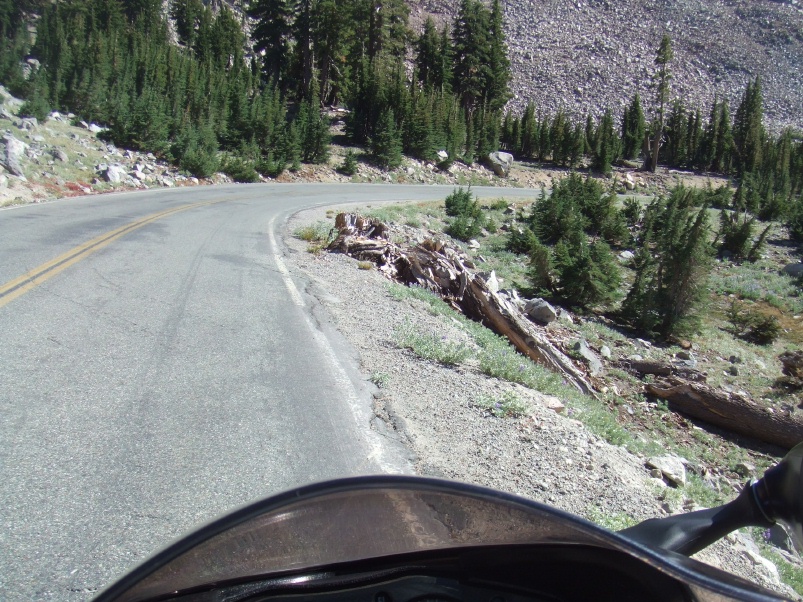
(491, 281)
(114, 174)
(501, 163)
(671, 467)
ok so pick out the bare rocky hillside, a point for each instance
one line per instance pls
(590, 54)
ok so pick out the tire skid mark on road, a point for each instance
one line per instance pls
(33, 278)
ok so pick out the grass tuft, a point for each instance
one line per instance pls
(431, 346)
(509, 405)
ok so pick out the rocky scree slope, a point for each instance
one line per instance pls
(583, 55)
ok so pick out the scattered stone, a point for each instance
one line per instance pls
(672, 468)
(565, 316)
(605, 352)
(29, 123)
(95, 129)
(553, 403)
(59, 155)
(473, 244)
(745, 469)
(584, 351)
(643, 343)
(626, 255)
(684, 355)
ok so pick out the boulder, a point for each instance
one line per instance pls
(605, 352)
(540, 311)
(473, 244)
(59, 155)
(672, 468)
(501, 163)
(114, 174)
(591, 359)
(795, 270)
(95, 128)
(13, 149)
(627, 255)
(29, 124)
(630, 184)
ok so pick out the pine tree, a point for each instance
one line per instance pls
(427, 54)
(661, 82)
(386, 145)
(672, 266)
(471, 53)
(529, 133)
(723, 143)
(496, 91)
(271, 35)
(674, 151)
(313, 133)
(748, 129)
(186, 14)
(606, 144)
(633, 129)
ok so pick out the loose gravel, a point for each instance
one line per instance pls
(432, 408)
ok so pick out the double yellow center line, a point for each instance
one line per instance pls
(19, 286)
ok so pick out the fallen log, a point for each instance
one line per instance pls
(437, 267)
(658, 368)
(731, 411)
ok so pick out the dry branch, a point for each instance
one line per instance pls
(730, 411)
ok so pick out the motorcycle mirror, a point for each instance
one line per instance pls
(779, 494)
(776, 497)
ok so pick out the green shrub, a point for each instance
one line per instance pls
(521, 240)
(349, 166)
(752, 325)
(632, 212)
(465, 228)
(461, 202)
(269, 166)
(240, 170)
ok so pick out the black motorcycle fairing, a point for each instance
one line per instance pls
(366, 519)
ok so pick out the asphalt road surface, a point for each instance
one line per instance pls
(161, 366)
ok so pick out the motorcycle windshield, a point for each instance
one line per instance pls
(347, 521)
(353, 520)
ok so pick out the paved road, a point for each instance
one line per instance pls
(160, 366)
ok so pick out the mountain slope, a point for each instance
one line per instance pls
(590, 54)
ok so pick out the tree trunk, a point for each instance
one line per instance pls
(730, 411)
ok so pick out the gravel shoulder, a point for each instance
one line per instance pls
(431, 408)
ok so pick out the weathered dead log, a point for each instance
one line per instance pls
(658, 368)
(435, 266)
(731, 411)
